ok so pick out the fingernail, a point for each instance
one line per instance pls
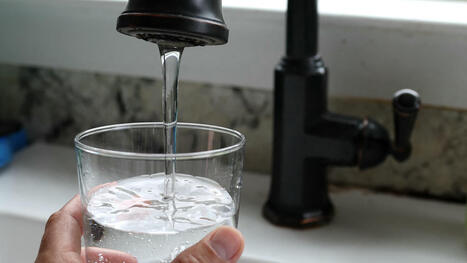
(226, 242)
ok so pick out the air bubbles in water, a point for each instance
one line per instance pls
(138, 226)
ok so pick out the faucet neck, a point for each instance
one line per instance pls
(302, 28)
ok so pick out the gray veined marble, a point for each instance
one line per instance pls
(56, 104)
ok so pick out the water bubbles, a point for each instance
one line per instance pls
(107, 205)
(167, 198)
(120, 211)
(222, 209)
(149, 227)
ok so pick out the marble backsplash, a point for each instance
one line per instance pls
(54, 105)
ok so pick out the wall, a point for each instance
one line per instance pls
(56, 104)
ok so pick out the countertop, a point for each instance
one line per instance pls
(368, 227)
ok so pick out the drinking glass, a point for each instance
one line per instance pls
(127, 213)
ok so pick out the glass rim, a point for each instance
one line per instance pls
(158, 156)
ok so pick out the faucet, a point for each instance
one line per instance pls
(307, 137)
(177, 23)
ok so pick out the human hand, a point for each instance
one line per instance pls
(61, 243)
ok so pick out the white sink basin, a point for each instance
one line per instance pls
(20, 238)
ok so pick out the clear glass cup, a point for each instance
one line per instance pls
(121, 171)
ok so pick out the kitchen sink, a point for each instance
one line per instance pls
(19, 238)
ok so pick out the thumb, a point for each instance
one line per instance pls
(223, 245)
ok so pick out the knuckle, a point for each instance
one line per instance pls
(200, 253)
(54, 218)
(188, 259)
(209, 252)
(45, 239)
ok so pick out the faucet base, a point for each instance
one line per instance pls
(308, 219)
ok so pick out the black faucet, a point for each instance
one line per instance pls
(308, 138)
(175, 23)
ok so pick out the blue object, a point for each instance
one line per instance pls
(11, 141)
(5, 152)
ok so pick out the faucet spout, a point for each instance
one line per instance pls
(175, 23)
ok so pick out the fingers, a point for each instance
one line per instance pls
(63, 231)
(61, 242)
(94, 254)
(223, 245)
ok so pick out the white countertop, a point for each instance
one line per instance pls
(368, 227)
